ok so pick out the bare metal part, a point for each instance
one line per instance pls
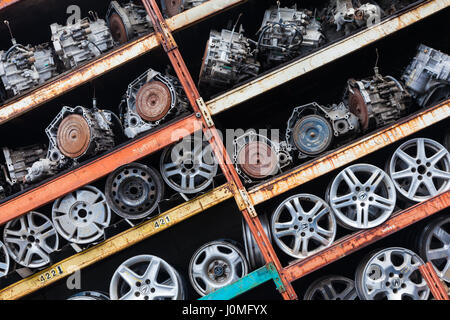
(89, 295)
(377, 101)
(128, 21)
(188, 166)
(4, 260)
(331, 288)
(428, 73)
(420, 169)
(313, 135)
(79, 42)
(349, 17)
(215, 265)
(252, 251)
(391, 274)
(256, 157)
(81, 216)
(146, 277)
(362, 196)
(285, 32)
(30, 239)
(23, 67)
(150, 100)
(228, 60)
(303, 225)
(173, 7)
(41, 169)
(18, 161)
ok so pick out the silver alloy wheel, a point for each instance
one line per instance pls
(434, 246)
(303, 225)
(252, 251)
(362, 196)
(331, 288)
(89, 295)
(188, 166)
(81, 216)
(420, 169)
(392, 274)
(4, 260)
(30, 239)
(146, 277)
(215, 265)
(134, 190)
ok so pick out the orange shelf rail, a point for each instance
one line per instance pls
(437, 287)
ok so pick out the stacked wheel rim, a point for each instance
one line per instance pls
(362, 196)
(391, 274)
(331, 288)
(81, 216)
(89, 295)
(146, 277)
(420, 169)
(303, 225)
(31, 239)
(252, 252)
(215, 265)
(4, 260)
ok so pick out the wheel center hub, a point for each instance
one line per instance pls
(218, 271)
(422, 169)
(396, 283)
(362, 196)
(144, 289)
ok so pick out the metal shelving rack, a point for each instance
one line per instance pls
(202, 120)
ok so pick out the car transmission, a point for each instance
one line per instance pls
(151, 99)
(174, 7)
(377, 101)
(128, 21)
(228, 60)
(81, 41)
(23, 67)
(428, 76)
(285, 32)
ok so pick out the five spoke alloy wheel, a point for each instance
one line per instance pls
(420, 169)
(391, 274)
(362, 196)
(146, 277)
(331, 288)
(30, 239)
(303, 225)
(215, 265)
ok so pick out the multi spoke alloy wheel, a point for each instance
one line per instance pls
(215, 265)
(146, 277)
(81, 216)
(133, 191)
(420, 169)
(331, 288)
(30, 239)
(188, 166)
(391, 274)
(4, 260)
(303, 225)
(89, 295)
(252, 252)
(362, 196)
(434, 246)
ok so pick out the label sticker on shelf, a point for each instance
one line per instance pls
(161, 222)
(50, 274)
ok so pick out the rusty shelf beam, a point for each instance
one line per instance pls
(324, 56)
(436, 285)
(115, 244)
(96, 169)
(107, 62)
(7, 3)
(349, 153)
(361, 239)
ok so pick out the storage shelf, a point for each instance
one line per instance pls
(324, 56)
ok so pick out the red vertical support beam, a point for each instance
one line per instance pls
(435, 284)
(197, 103)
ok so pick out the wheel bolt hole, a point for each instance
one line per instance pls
(137, 294)
(147, 281)
(138, 284)
(311, 230)
(403, 285)
(388, 284)
(303, 234)
(391, 274)
(152, 290)
(295, 227)
(357, 188)
(370, 198)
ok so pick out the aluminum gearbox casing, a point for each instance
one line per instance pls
(171, 8)
(127, 21)
(228, 60)
(150, 100)
(23, 67)
(346, 14)
(428, 74)
(285, 32)
(81, 41)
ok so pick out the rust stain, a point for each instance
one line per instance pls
(7, 3)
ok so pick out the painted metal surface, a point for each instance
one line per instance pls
(117, 243)
(349, 153)
(250, 281)
(96, 169)
(361, 239)
(239, 191)
(7, 3)
(437, 287)
(324, 56)
(107, 62)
